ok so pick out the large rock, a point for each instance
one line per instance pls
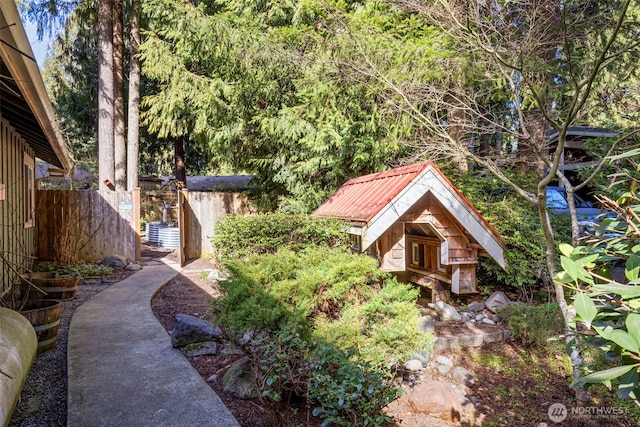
(476, 306)
(447, 312)
(240, 380)
(444, 360)
(497, 301)
(133, 266)
(190, 329)
(462, 376)
(202, 349)
(426, 324)
(413, 365)
(117, 262)
(436, 398)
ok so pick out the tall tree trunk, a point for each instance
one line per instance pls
(133, 126)
(118, 95)
(106, 162)
(457, 120)
(529, 150)
(181, 169)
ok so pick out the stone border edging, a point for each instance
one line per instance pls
(446, 342)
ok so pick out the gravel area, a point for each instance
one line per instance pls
(43, 401)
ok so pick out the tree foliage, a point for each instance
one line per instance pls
(263, 87)
(70, 74)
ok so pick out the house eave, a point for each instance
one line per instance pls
(17, 56)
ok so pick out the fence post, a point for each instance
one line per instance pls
(183, 224)
(136, 220)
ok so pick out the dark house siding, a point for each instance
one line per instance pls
(16, 235)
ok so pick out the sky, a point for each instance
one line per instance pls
(39, 48)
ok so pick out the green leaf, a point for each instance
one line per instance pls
(570, 267)
(625, 291)
(632, 322)
(632, 267)
(602, 376)
(585, 307)
(604, 332)
(588, 261)
(566, 249)
(624, 340)
(628, 382)
(625, 155)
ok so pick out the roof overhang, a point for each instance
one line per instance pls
(23, 98)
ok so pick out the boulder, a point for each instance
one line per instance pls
(201, 348)
(230, 350)
(413, 365)
(476, 306)
(117, 262)
(462, 376)
(423, 357)
(444, 369)
(497, 301)
(426, 324)
(447, 312)
(240, 380)
(436, 398)
(190, 329)
(444, 360)
(133, 266)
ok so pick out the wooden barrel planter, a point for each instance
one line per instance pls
(45, 317)
(57, 288)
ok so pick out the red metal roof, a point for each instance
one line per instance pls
(360, 199)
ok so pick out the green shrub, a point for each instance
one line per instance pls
(384, 327)
(348, 390)
(73, 270)
(269, 292)
(331, 323)
(242, 236)
(330, 295)
(533, 325)
(341, 387)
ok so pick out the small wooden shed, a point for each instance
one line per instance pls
(418, 225)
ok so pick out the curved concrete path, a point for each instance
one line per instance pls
(122, 370)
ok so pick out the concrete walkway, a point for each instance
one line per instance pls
(122, 370)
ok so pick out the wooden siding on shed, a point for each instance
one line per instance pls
(429, 210)
(392, 246)
(16, 241)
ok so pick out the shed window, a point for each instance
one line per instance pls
(29, 190)
(425, 254)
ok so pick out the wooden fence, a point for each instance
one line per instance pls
(198, 214)
(88, 225)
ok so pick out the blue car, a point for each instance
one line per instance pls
(587, 213)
